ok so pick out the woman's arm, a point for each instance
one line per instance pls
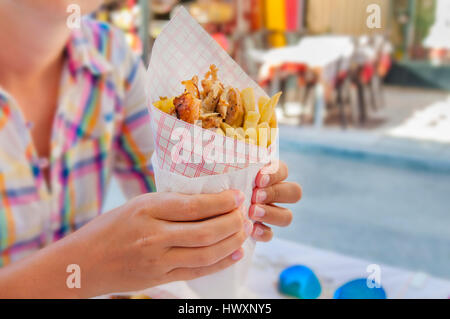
(43, 274)
(152, 239)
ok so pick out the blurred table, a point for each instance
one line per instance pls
(332, 59)
(316, 52)
(332, 269)
(325, 56)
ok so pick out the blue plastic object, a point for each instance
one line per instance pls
(300, 282)
(358, 289)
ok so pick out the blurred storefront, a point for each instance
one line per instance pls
(421, 32)
(327, 54)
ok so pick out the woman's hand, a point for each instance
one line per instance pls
(162, 237)
(153, 239)
(271, 188)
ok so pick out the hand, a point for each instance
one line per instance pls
(271, 188)
(162, 237)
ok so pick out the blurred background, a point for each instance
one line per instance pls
(364, 119)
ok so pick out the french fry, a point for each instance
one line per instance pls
(251, 120)
(263, 134)
(165, 104)
(220, 131)
(228, 129)
(248, 100)
(273, 123)
(261, 101)
(251, 135)
(269, 108)
(272, 135)
(224, 126)
(229, 132)
(239, 133)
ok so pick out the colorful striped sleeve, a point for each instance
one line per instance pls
(133, 167)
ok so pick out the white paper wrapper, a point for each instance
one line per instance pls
(182, 50)
(229, 283)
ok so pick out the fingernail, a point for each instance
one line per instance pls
(258, 212)
(239, 198)
(270, 168)
(236, 255)
(264, 181)
(261, 196)
(248, 227)
(259, 231)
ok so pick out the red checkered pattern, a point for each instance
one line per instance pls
(182, 50)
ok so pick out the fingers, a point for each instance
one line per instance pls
(271, 214)
(181, 207)
(262, 232)
(267, 178)
(207, 232)
(206, 256)
(285, 192)
(192, 273)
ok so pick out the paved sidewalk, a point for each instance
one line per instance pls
(372, 146)
(371, 196)
(412, 113)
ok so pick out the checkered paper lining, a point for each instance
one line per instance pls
(182, 50)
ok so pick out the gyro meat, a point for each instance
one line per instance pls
(235, 111)
(211, 99)
(187, 107)
(209, 80)
(211, 122)
(192, 86)
(222, 105)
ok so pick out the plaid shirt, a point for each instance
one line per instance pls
(101, 126)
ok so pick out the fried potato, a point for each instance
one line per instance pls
(228, 129)
(224, 126)
(251, 120)
(220, 131)
(269, 108)
(239, 133)
(248, 100)
(251, 135)
(263, 134)
(261, 101)
(166, 105)
(273, 123)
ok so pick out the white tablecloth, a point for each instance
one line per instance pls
(325, 52)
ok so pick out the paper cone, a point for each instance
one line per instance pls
(189, 159)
